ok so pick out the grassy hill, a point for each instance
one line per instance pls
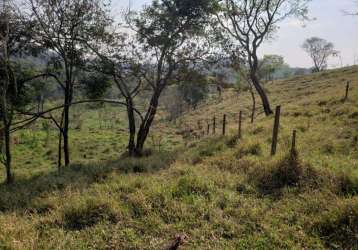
(222, 193)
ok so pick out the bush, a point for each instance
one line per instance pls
(286, 173)
(250, 149)
(87, 214)
(148, 163)
(339, 226)
(231, 142)
(138, 204)
(191, 185)
(328, 148)
(205, 149)
(347, 184)
(258, 130)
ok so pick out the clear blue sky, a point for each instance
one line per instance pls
(330, 24)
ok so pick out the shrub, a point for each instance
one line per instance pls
(339, 226)
(206, 148)
(287, 172)
(250, 149)
(231, 142)
(149, 163)
(191, 185)
(138, 205)
(353, 115)
(258, 130)
(347, 184)
(327, 148)
(87, 214)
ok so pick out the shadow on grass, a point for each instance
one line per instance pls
(20, 195)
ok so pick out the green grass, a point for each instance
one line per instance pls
(223, 193)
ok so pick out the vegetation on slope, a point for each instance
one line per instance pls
(221, 192)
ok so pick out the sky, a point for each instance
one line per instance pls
(330, 23)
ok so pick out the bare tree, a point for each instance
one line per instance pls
(319, 50)
(250, 23)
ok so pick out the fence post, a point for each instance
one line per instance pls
(240, 124)
(208, 131)
(214, 125)
(293, 146)
(224, 124)
(275, 130)
(347, 92)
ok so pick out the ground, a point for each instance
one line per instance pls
(221, 192)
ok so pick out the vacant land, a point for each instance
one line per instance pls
(222, 193)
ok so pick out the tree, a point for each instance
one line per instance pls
(7, 82)
(17, 85)
(250, 23)
(95, 85)
(63, 27)
(193, 87)
(269, 65)
(9, 88)
(163, 38)
(319, 50)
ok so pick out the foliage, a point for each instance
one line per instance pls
(269, 65)
(143, 202)
(194, 88)
(95, 85)
(245, 25)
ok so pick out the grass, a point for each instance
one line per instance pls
(221, 192)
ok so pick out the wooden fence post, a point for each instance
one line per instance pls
(275, 130)
(224, 124)
(214, 125)
(240, 125)
(347, 92)
(293, 146)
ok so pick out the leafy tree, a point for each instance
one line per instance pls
(95, 85)
(269, 65)
(193, 87)
(319, 50)
(63, 27)
(14, 80)
(166, 37)
(249, 23)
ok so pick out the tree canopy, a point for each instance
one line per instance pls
(319, 50)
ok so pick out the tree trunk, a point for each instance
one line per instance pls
(4, 99)
(147, 123)
(132, 127)
(9, 177)
(59, 160)
(261, 92)
(253, 111)
(66, 122)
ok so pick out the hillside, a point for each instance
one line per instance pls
(220, 192)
